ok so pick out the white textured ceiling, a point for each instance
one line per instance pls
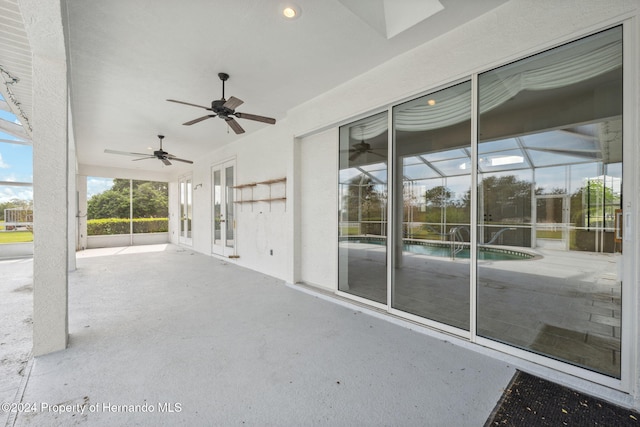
(127, 57)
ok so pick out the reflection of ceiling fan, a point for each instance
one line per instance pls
(226, 110)
(158, 154)
(361, 148)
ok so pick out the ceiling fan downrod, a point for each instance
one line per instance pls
(224, 77)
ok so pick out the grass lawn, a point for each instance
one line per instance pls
(549, 234)
(16, 236)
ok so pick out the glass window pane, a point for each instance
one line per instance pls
(16, 162)
(363, 208)
(452, 167)
(499, 145)
(150, 207)
(108, 203)
(217, 208)
(502, 160)
(431, 269)
(189, 207)
(229, 223)
(547, 181)
(420, 171)
(562, 108)
(446, 155)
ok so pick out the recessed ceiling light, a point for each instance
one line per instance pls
(431, 102)
(291, 11)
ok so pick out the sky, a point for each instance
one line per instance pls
(97, 185)
(16, 164)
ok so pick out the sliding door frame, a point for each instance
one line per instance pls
(631, 212)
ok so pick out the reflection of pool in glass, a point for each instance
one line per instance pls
(444, 250)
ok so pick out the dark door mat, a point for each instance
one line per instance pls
(532, 401)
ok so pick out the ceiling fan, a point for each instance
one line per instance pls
(226, 110)
(158, 154)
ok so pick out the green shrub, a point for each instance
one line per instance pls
(108, 226)
(150, 225)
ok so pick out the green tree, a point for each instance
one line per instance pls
(594, 204)
(108, 204)
(150, 200)
(506, 198)
(366, 202)
(438, 197)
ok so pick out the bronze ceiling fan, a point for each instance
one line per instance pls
(226, 110)
(159, 154)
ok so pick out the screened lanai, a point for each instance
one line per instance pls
(505, 194)
(16, 177)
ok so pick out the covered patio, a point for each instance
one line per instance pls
(206, 342)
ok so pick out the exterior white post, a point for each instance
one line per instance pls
(43, 24)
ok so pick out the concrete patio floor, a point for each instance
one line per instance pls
(160, 335)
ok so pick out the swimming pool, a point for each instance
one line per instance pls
(443, 250)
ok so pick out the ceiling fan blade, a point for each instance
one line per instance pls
(234, 125)
(256, 118)
(233, 103)
(125, 153)
(144, 158)
(166, 162)
(377, 154)
(355, 155)
(188, 103)
(181, 160)
(199, 119)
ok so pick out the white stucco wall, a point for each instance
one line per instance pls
(260, 227)
(319, 209)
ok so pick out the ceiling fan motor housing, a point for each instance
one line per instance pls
(218, 107)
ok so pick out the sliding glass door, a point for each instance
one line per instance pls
(363, 208)
(550, 182)
(506, 190)
(432, 205)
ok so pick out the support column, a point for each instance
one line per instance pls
(43, 24)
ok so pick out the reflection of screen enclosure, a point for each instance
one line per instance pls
(363, 207)
(550, 168)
